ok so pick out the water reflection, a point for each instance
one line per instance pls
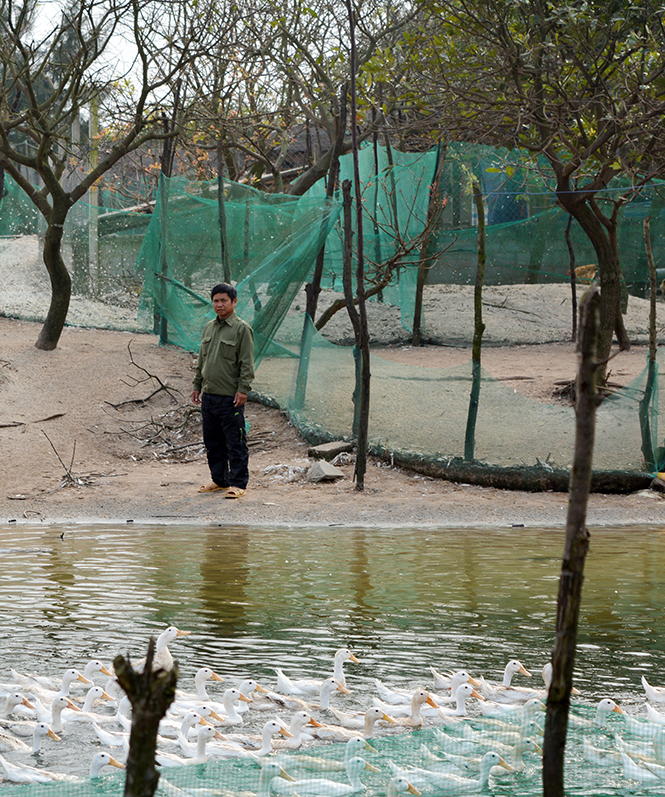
(256, 599)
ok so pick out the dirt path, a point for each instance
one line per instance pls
(68, 395)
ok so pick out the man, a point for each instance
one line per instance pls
(224, 374)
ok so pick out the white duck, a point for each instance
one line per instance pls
(13, 700)
(270, 729)
(354, 721)
(464, 692)
(203, 674)
(605, 707)
(448, 782)
(163, 660)
(409, 716)
(288, 686)
(400, 785)
(354, 768)
(9, 742)
(194, 753)
(22, 773)
(505, 692)
(41, 730)
(51, 716)
(636, 771)
(228, 714)
(328, 688)
(86, 714)
(68, 678)
(298, 722)
(354, 746)
(656, 694)
(100, 760)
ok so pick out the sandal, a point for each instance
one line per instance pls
(211, 488)
(235, 492)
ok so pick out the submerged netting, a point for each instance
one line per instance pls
(449, 759)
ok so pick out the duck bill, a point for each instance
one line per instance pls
(105, 696)
(413, 790)
(475, 682)
(618, 710)
(215, 677)
(430, 701)
(106, 671)
(260, 688)
(371, 768)
(286, 776)
(388, 718)
(83, 679)
(369, 748)
(204, 721)
(343, 689)
(72, 705)
(313, 722)
(524, 671)
(25, 702)
(53, 735)
(221, 736)
(504, 764)
(117, 764)
(245, 699)
(354, 659)
(183, 633)
(215, 716)
(286, 732)
(475, 693)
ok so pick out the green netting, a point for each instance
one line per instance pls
(269, 246)
(435, 760)
(422, 412)
(271, 240)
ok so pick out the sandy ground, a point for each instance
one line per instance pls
(69, 454)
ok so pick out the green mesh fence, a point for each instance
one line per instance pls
(271, 242)
(269, 246)
(499, 755)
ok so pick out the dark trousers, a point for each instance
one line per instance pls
(225, 440)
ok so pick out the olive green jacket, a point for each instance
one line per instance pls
(225, 364)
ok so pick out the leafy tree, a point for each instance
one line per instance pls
(46, 83)
(578, 84)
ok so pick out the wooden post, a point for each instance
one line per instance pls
(478, 329)
(575, 549)
(361, 329)
(573, 277)
(150, 692)
(648, 452)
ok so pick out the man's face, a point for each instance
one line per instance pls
(223, 305)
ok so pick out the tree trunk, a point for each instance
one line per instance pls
(575, 550)
(61, 283)
(150, 692)
(611, 320)
(433, 209)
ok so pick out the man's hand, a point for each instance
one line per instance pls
(196, 396)
(240, 399)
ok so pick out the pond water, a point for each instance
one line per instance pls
(400, 599)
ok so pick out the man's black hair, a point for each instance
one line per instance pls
(224, 287)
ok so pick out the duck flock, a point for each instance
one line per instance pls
(304, 737)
